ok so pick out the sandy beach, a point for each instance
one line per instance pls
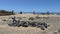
(53, 21)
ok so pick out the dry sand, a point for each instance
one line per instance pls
(53, 21)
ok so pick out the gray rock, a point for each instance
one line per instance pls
(59, 31)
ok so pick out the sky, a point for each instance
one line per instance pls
(30, 5)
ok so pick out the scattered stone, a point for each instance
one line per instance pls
(18, 23)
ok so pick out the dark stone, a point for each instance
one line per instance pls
(24, 24)
(33, 24)
(59, 31)
(38, 24)
(44, 24)
(42, 28)
(4, 19)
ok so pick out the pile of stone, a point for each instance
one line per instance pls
(28, 24)
(18, 23)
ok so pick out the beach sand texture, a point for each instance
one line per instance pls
(53, 21)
